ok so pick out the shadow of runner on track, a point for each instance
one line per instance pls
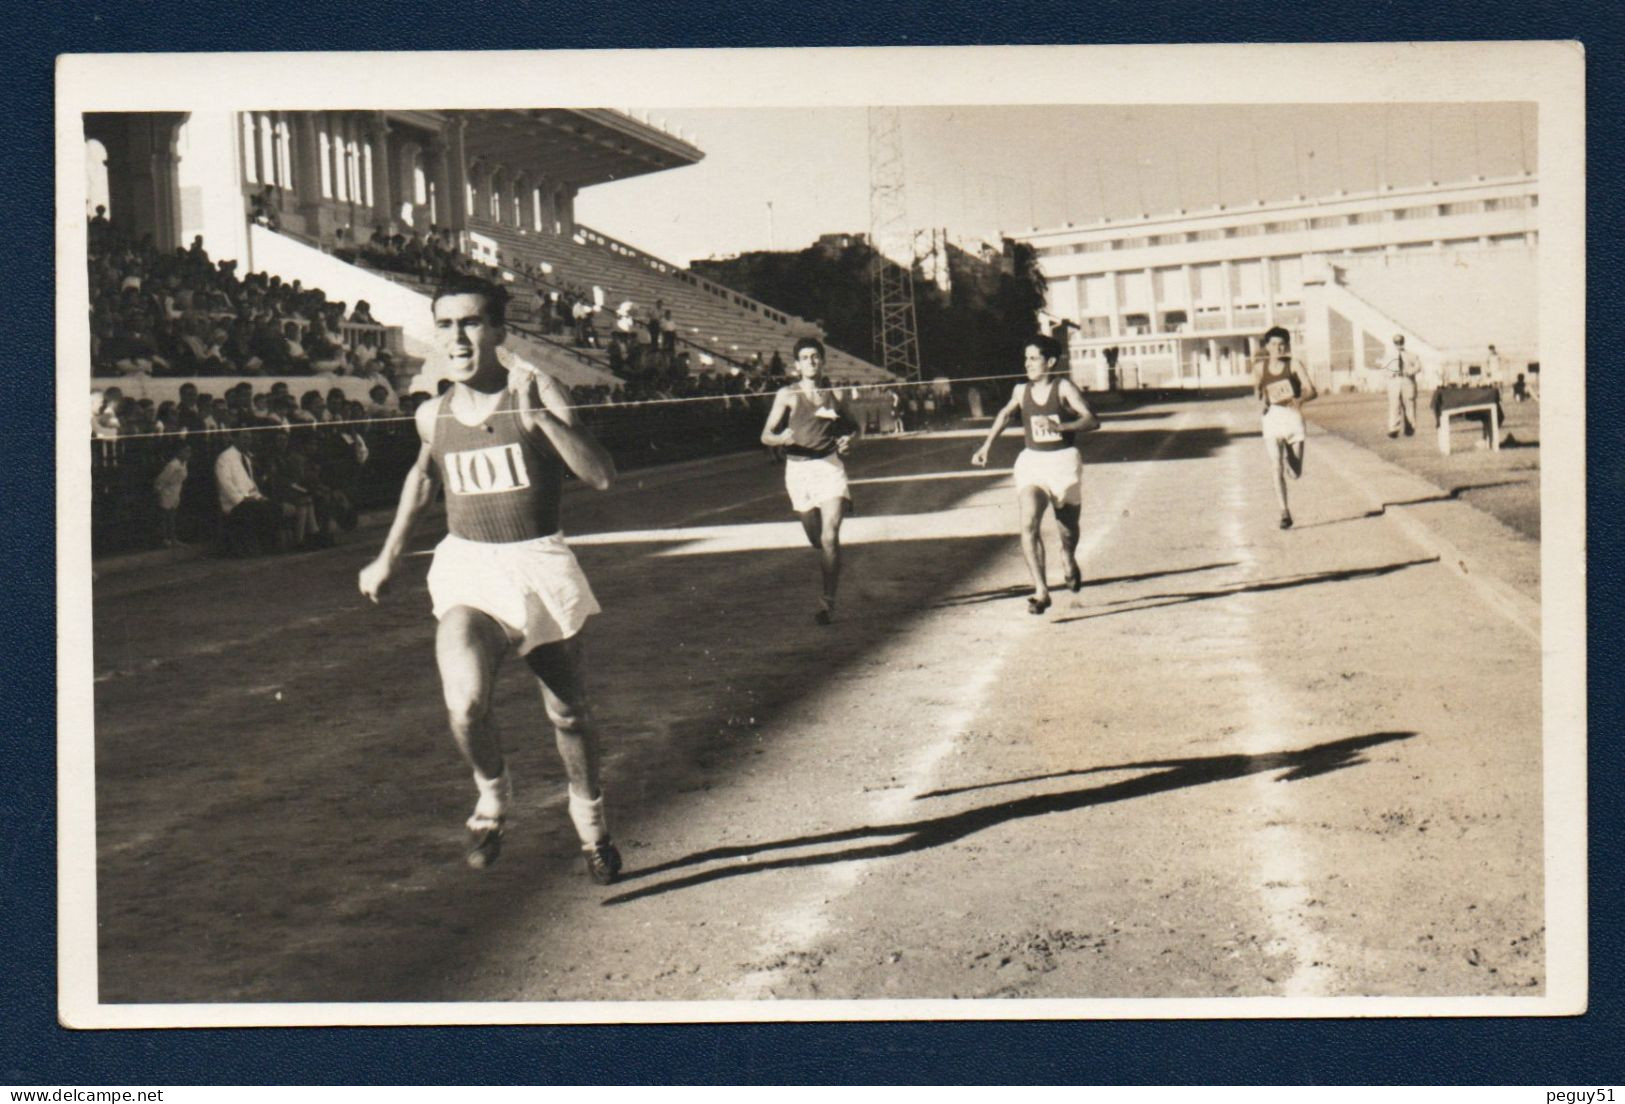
(1021, 590)
(1452, 495)
(1173, 774)
(1158, 601)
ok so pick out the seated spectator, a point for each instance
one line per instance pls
(252, 521)
(363, 313)
(379, 371)
(379, 405)
(324, 354)
(311, 408)
(289, 485)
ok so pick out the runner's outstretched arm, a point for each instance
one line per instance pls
(979, 457)
(417, 491)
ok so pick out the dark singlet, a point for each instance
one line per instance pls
(501, 485)
(1039, 420)
(812, 434)
(1279, 383)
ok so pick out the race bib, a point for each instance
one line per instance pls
(1279, 391)
(486, 471)
(1046, 429)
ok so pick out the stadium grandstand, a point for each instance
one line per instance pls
(254, 270)
(1180, 299)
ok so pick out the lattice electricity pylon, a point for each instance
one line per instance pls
(896, 338)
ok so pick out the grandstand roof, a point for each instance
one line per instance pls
(580, 147)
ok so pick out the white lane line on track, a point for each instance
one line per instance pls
(1278, 851)
(806, 920)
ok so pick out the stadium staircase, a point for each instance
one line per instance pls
(1456, 302)
(713, 319)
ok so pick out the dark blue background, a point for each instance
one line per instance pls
(35, 1051)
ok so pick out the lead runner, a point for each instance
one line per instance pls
(503, 578)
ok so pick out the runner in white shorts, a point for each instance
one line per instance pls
(503, 578)
(1049, 471)
(1283, 386)
(812, 425)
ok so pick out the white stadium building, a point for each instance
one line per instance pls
(1183, 298)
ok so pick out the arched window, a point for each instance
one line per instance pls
(420, 181)
(495, 205)
(536, 208)
(326, 146)
(251, 173)
(366, 173)
(434, 213)
(95, 176)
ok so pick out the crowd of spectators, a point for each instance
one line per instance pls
(249, 471)
(178, 313)
(423, 257)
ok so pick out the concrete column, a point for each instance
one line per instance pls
(383, 174)
(567, 212)
(457, 184)
(144, 194)
(1114, 305)
(307, 167)
(1226, 273)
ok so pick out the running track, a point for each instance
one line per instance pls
(1241, 763)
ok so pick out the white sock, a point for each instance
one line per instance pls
(588, 817)
(496, 794)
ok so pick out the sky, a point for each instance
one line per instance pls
(780, 177)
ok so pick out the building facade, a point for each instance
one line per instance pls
(1180, 300)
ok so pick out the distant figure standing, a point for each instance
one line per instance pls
(167, 487)
(1492, 366)
(1401, 368)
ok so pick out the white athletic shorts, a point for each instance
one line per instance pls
(1059, 472)
(534, 589)
(812, 483)
(1283, 423)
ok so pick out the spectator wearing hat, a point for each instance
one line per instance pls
(1401, 369)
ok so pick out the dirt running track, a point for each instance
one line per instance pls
(1240, 762)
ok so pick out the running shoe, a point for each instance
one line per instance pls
(484, 846)
(603, 862)
(1286, 520)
